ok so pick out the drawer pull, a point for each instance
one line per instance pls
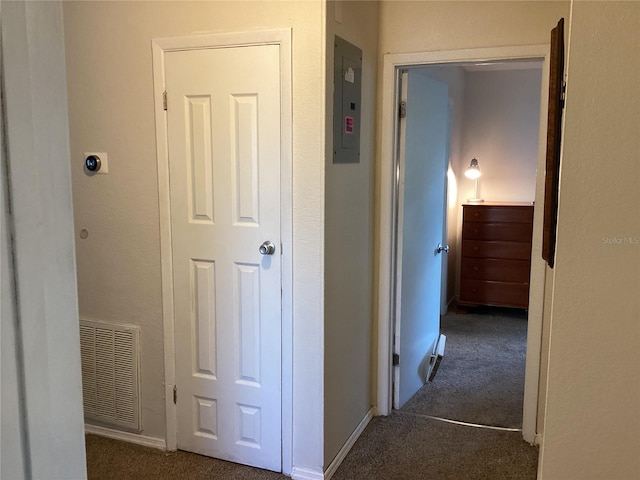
(475, 268)
(475, 248)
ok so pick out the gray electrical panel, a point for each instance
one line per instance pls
(347, 91)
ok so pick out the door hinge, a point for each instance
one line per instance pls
(563, 94)
(402, 110)
(175, 394)
(396, 359)
(164, 100)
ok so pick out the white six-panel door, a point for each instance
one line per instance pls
(224, 161)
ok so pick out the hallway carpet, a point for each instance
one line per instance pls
(409, 447)
(481, 377)
(109, 459)
(405, 445)
(398, 447)
(480, 380)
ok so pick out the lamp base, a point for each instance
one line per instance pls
(475, 200)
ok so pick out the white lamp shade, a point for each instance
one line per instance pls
(473, 171)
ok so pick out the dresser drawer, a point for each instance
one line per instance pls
(512, 232)
(491, 249)
(512, 214)
(494, 293)
(516, 271)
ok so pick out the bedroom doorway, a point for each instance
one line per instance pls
(391, 81)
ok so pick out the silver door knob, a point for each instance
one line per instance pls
(267, 248)
(441, 249)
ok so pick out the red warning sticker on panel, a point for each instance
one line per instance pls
(348, 125)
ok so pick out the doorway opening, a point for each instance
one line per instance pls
(443, 66)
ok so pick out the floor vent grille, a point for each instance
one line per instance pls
(110, 367)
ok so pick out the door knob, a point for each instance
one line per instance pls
(441, 249)
(267, 248)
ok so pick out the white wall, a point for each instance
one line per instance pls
(349, 241)
(111, 110)
(501, 121)
(39, 299)
(593, 395)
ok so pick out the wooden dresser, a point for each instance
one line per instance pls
(496, 254)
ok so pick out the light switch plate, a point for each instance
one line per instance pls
(104, 163)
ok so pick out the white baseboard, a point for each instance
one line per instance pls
(537, 440)
(306, 474)
(346, 448)
(143, 440)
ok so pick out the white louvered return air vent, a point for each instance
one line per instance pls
(110, 387)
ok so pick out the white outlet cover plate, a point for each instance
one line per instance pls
(104, 163)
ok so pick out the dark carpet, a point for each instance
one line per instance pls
(113, 459)
(481, 377)
(408, 447)
(480, 381)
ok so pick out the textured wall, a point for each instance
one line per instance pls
(111, 109)
(593, 398)
(349, 242)
(408, 26)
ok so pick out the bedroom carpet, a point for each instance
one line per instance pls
(481, 377)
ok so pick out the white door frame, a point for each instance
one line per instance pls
(160, 46)
(388, 160)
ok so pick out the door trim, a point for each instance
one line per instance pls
(160, 46)
(388, 208)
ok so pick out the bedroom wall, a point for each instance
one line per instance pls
(501, 130)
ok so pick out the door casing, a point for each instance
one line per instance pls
(388, 212)
(160, 46)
